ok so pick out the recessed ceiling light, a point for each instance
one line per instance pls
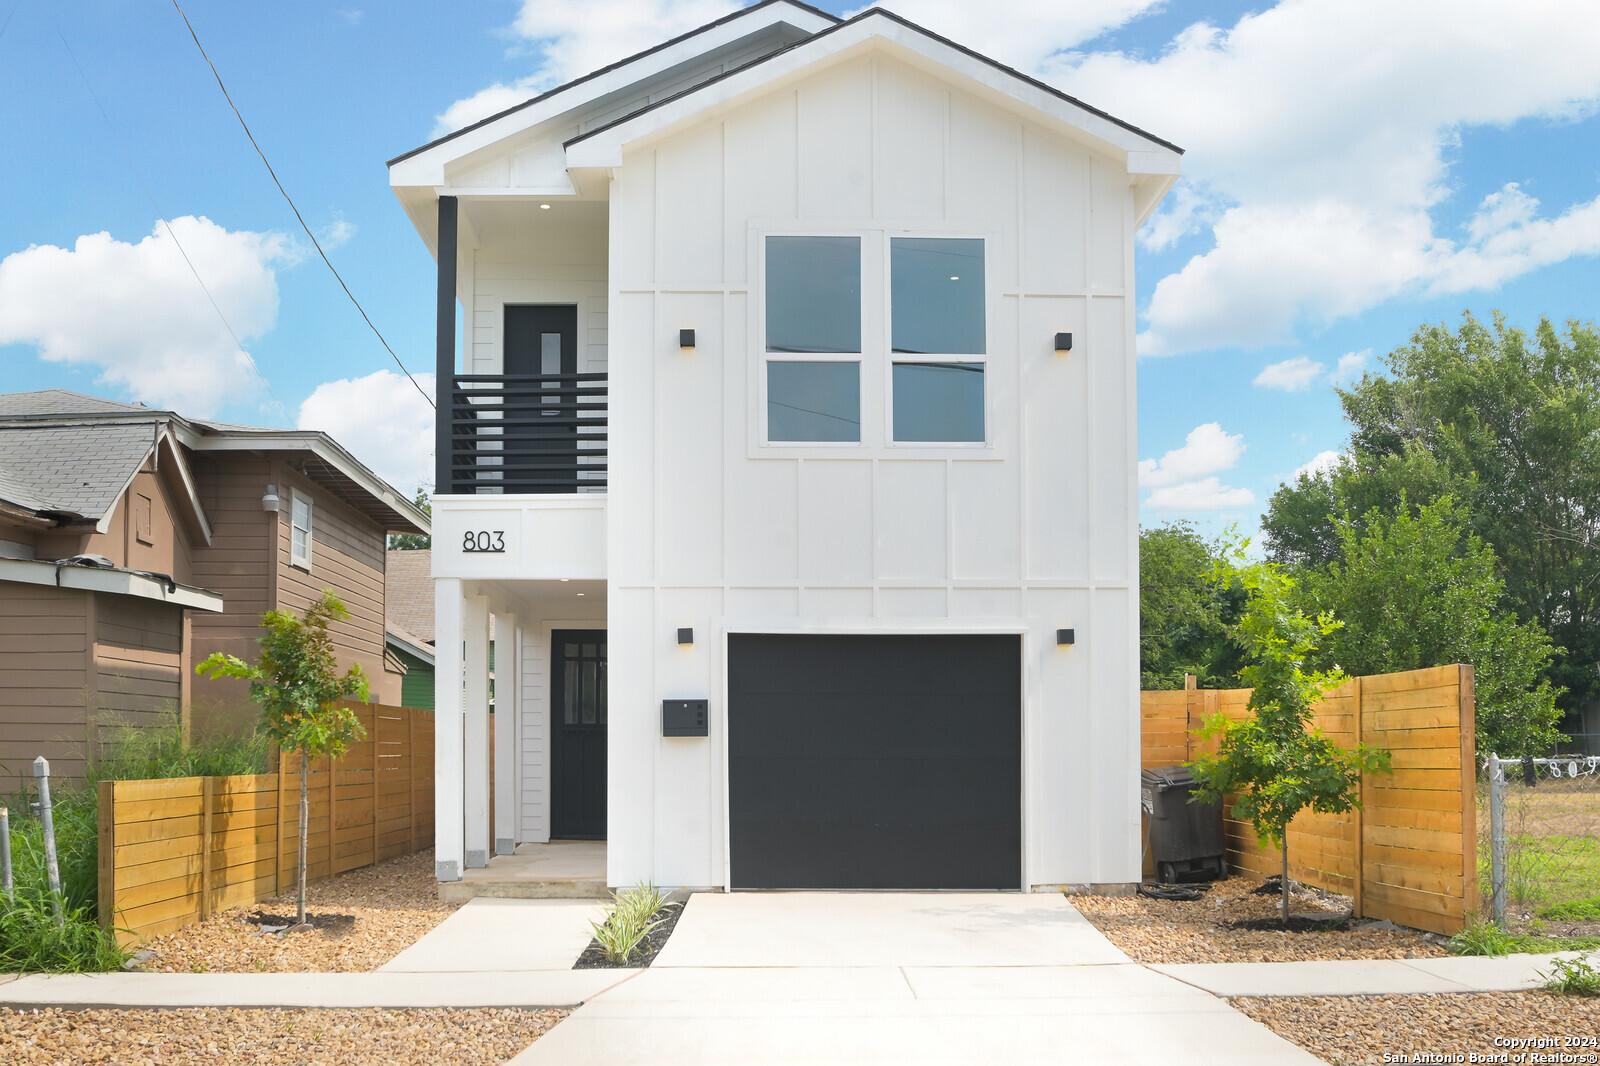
(955, 277)
(580, 594)
(544, 207)
(566, 579)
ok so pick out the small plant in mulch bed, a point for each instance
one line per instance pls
(634, 930)
(1487, 937)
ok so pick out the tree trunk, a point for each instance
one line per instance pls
(1283, 902)
(305, 829)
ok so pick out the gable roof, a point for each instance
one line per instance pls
(591, 86)
(37, 420)
(408, 591)
(841, 28)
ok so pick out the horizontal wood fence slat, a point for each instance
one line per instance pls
(175, 851)
(1410, 853)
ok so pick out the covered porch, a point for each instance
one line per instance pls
(561, 869)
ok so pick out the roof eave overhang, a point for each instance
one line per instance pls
(425, 166)
(117, 582)
(406, 516)
(1141, 152)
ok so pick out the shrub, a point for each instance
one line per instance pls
(1482, 937)
(32, 940)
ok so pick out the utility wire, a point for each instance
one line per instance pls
(282, 410)
(314, 242)
(4, 26)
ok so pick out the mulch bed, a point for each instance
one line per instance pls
(594, 957)
(332, 924)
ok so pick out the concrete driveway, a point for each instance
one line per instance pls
(879, 978)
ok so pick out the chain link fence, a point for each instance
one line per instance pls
(1539, 837)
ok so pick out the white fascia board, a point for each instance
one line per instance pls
(320, 445)
(410, 644)
(115, 582)
(603, 148)
(179, 466)
(426, 168)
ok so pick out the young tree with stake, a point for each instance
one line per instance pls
(1274, 762)
(296, 683)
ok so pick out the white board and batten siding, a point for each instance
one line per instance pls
(711, 528)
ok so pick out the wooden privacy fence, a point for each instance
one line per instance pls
(175, 851)
(1410, 855)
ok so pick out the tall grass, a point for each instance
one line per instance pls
(139, 752)
(31, 938)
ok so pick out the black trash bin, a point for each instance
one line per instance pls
(1185, 838)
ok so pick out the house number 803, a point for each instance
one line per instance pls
(484, 540)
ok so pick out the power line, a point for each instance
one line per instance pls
(314, 242)
(282, 410)
(4, 26)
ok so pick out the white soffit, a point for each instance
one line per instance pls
(1143, 153)
(425, 166)
(118, 582)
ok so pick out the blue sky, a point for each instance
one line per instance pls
(1354, 169)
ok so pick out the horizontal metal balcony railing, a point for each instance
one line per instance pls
(527, 433)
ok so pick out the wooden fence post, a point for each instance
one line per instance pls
(1467, 724)
(374, 735)
(108, 847)
(282, 836)
(411, 781)
(333, 778)
(1357, 891)
(207, 791)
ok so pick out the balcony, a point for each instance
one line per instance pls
(527, 433)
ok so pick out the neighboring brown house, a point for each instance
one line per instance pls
(232, 521)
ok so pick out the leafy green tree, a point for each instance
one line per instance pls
(1184, 614)
(1417, 589)
(1508, 425)
(297, 685)
(1274, 762)
(414, 541)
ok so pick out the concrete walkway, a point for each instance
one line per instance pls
(821, 977)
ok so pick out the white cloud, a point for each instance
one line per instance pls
(1319, 134)
(574, 37)
(1351, 366)
(1291, 375)
(382, 420)
(351, 16)
(336, 233)
(136, 312)
(1020, 33)
(1320, 463)
(1207, 494)
(1206, 450)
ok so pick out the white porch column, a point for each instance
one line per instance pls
(476, 763)
(449, 776)
(507, 683)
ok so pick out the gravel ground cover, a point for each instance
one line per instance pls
(393, 904)
(303, 1037)
(1157, 930)
(1346, 1030)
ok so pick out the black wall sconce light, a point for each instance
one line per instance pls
(1066, 636)
(1063, 342)
(686, 338)
(685, 636)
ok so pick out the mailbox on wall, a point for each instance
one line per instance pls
(685, 718)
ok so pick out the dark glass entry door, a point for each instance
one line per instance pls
(542, 410)
(578, 734)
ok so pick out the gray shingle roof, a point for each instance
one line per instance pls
(79, 469)
(408, 591)
(56, 403)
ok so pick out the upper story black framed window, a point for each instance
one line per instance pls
(938, 330)
(812, 374)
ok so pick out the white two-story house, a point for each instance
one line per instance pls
(791, 445)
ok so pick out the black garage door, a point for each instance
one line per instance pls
(875, 761)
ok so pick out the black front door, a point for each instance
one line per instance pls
(578, 734)
(541, 413)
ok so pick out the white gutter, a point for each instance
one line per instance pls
(115, 581)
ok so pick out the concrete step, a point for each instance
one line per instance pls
(523, 888)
